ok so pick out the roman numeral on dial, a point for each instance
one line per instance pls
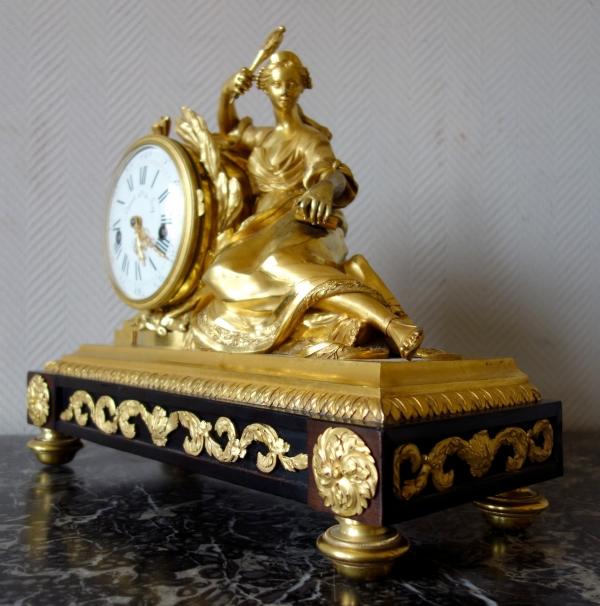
(130, 182)
(163, 245)
(143, 171)
(138, 271)
(118, 249)
(125, 264)
(163, 196)
(165, 220)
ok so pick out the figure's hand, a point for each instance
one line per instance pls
(316, 203)
(239, 83)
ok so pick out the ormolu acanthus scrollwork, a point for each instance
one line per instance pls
(235, 449)
(38, 400)
(344, 471)
(478, 453)
(160, 425)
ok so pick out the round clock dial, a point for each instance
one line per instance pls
(149, 229)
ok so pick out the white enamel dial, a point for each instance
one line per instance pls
(145, 222)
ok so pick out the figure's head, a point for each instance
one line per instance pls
(283, 79)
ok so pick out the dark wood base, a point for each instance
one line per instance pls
(389, 504)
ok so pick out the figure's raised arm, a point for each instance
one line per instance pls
(234, 87)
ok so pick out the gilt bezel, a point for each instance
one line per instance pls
(191, 228)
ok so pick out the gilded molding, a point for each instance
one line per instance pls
(160, 426)
(344, 471)
(478, 453)
(460, 401)
(38, 400)
(308, 402)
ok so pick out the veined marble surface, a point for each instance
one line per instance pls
(113, 528)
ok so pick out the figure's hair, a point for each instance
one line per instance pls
(266, 73)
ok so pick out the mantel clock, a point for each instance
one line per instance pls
(154, 219)
(261, 354)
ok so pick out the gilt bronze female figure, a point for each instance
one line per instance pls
(281, 282)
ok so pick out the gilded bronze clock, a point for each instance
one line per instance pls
(208, 239)
(153, 222)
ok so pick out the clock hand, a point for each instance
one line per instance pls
(140, 236)
(139, 249)
(143, 240)
(153, 246)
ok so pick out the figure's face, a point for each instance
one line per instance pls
(285, 87)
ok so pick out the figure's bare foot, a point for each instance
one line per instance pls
(428, 353)
(406, 337)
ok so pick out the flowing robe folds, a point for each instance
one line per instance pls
(264, 280)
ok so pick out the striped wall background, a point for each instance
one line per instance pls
(472, 126)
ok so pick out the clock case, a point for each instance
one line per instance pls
(200, 222)
(371, 442)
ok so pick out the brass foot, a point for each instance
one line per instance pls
(513, 510)
(362, 552)
(54, 448)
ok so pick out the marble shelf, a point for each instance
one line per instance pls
(114, 528)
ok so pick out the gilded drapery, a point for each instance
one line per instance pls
(267, 276)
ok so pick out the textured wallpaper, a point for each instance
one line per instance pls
(472, 127)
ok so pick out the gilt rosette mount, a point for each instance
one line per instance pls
(38, 400)
(258, 352)
(344, 471)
